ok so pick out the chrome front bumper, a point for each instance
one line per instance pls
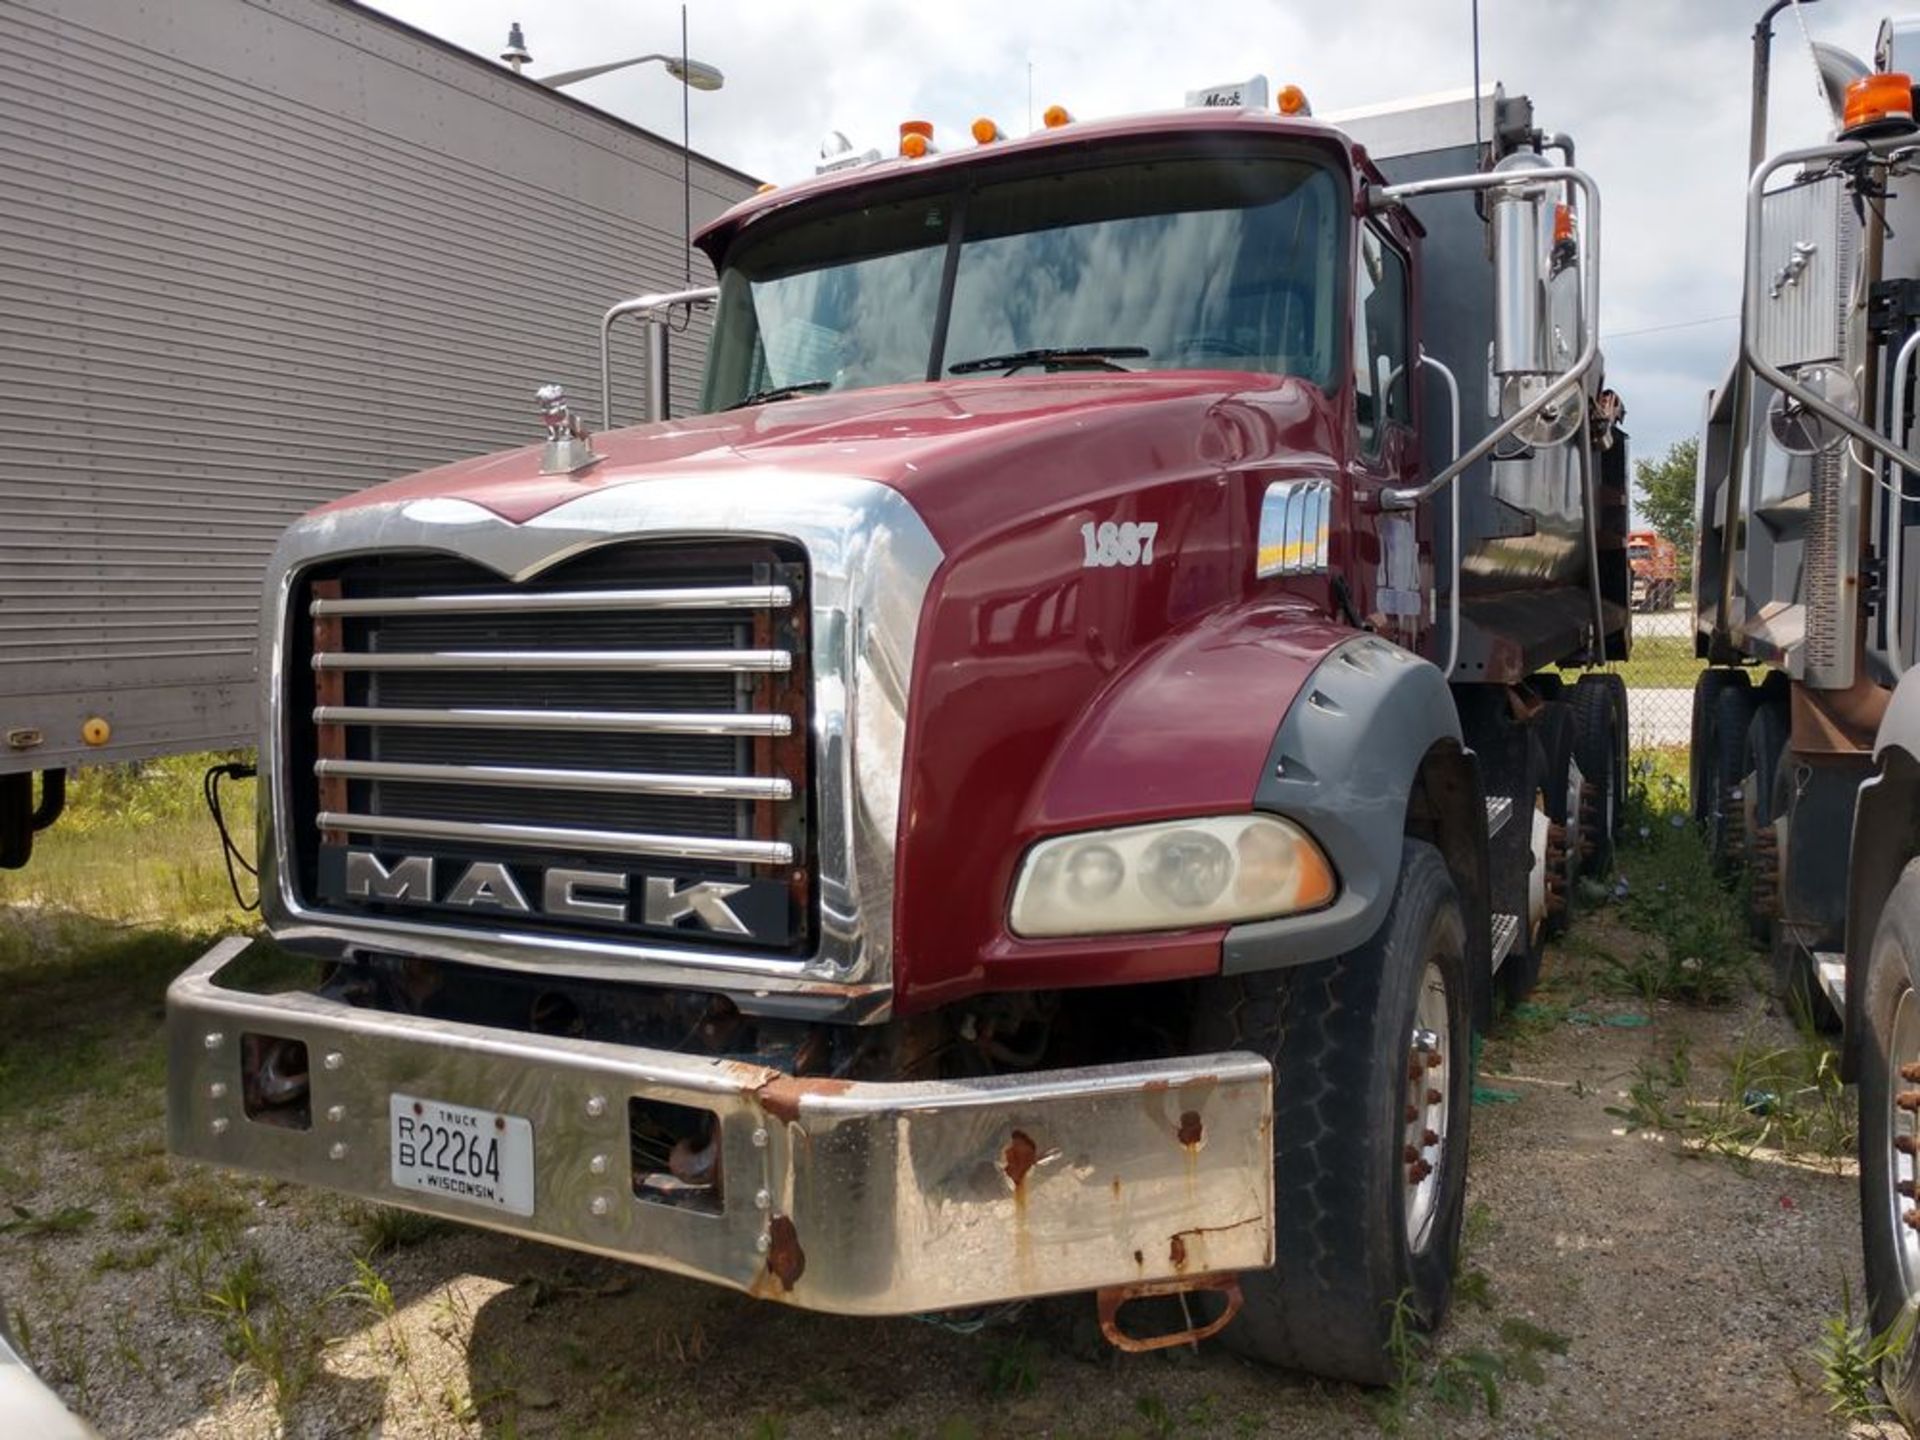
(852, 1197)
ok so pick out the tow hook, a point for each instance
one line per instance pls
(1109, 1300)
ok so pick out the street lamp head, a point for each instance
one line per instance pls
(696, 73)
(516, 52)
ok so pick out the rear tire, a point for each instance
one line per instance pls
(1357, 1225)
(1722, 708)
(1567, 834)
(1600, 722)
(1764, 744)
(1891, 1010)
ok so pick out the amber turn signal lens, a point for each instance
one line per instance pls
(1292, 100)
(1055, 116)
(1562, 223)
(1876, 101)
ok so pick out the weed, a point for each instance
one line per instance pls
(67, 1220)
(204, 1204)
(1702, 954)
(369, 1288)
(382, 1228)
(769, 1426)
(1013, 1365)
(1153, 1412)
(1849, 1356)
(1523, 1341)
(260, 1335)
(1462, 1375)
(141, 1257)
(1650, 1097)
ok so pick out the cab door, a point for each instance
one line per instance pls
(1392, 570)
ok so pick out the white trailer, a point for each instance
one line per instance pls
(254, 255)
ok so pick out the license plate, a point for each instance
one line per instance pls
(462, 1153)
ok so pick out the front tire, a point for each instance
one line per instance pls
(1371, 1053)
(1890, 1134)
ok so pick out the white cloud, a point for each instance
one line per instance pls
(1653, 91)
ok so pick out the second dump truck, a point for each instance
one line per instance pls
(1030, 790)
(1806, 725)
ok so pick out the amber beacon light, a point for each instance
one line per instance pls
(1878, 105)
(916, 138)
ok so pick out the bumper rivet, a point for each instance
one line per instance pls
(763, 1242)
(598, 1164)
(337, 1150)
(596, 1105)
(220, 1126)
(215, 1039)
(761, 1200)
(600, 1205)
(334, 1060)
(336, 1113)
(217, 1090)
(759, 1139)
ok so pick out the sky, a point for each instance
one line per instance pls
(1654, 93)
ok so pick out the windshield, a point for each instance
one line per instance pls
(1190, 262)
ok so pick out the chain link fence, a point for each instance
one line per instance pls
(1659, 678)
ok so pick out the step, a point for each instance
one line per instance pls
(1830, 967)
(1506, 934)
(1499, 812)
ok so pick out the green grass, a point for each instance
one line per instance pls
(123, 893)
(1660, 662)
(135, 844)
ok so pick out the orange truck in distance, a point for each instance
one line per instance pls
(1656, 570)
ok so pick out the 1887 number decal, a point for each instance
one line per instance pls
(1123, 544)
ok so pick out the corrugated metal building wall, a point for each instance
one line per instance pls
(255, 254)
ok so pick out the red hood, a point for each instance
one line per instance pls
(913, 437)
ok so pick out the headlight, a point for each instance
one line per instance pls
(1171, 876)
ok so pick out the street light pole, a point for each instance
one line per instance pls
(692, 75)
(686, 149)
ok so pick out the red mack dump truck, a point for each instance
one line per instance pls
(1030, 791)
(1806, 727)
(1654, 565)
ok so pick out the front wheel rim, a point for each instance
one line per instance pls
(1903, 1139)
(1423, 1153)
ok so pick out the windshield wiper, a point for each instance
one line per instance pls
(1054, 357)
(780, 392)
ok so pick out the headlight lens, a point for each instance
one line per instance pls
(1170, 876)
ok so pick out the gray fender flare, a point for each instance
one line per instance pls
(1343, 766)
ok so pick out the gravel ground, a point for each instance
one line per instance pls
(1684, 1289)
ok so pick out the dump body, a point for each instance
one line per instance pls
(263, 255)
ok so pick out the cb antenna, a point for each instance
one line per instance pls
(1478, 141)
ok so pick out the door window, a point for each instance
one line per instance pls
(1381, 344)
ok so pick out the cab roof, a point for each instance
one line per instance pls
(718, 235)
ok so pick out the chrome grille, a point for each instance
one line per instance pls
(638, 715)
